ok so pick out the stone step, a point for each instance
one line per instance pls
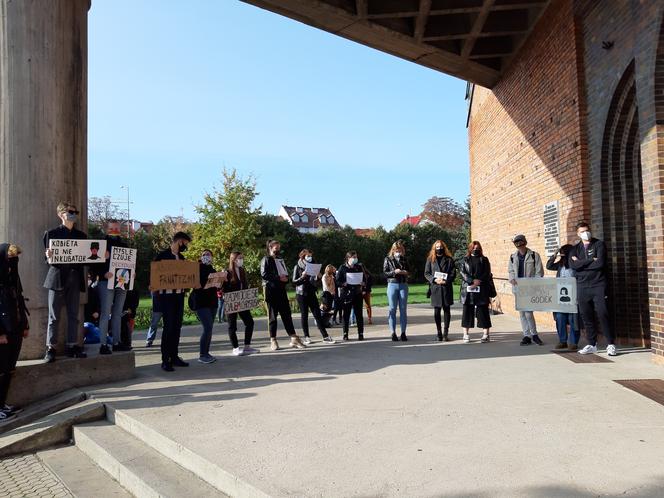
(138, 468)
(82, 477)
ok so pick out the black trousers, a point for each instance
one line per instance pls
(307, 303)
(280, 308)
(356, 305)
(437, 317)
(172, 306)
(8, 358)
(248, 321)
(470, 311)
(592, 301)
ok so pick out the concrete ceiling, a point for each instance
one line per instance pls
(471, 39)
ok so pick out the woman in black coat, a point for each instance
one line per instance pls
(275, 278)
(476, 281)
(350, 292)
(236, 280)
(442, 286)
(13, 323)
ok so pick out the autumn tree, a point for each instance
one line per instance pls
(444, 212)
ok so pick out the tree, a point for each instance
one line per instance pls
(162, 233)
(445, 212)
(100, 211)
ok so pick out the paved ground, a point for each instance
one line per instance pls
(409, 419)
(27, 476)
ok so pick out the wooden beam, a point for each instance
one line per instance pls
(477, 28)
(480, 35)
(362, 7)
(422, 18)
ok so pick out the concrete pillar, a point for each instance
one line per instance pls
(43, 132)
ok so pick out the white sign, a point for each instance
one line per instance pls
(242, 300)
(546, 294)
(123, 267)
(440, 275)
(354, 278)
(312, 269)
(76, 251)
(281, 267)
(475, 289)
(551, 228)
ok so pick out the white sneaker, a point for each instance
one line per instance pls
(611, 350)
(588, 350)
(329, 340)
(307, 340)
(250, 350)
(466, 338)
(238, 352)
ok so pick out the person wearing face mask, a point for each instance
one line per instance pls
(442, 289)
(476, 281)
(305, 290)
(14, 325)
(275, 278)
(206, 306)
(236, 280)
(563, 320)
(350, 293)
(588, 259)
(397, 271)
(64, 282)
(170, 303)
(111, 301)
(525, 263)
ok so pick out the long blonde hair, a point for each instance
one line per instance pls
(397, 246)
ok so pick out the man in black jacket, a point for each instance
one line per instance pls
(588, 259)
(64, 282)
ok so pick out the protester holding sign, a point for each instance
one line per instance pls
(236, 280)
(350, 282)
(111, 301)
(588, 259)
(440, 272)
(275, 278)
(397, 271)
(64, 282)
(170, 302)
(563, 320)
(525, 263)
(204, 302)
(305, 289)
(476, 284)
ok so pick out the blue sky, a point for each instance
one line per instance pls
(178, 90)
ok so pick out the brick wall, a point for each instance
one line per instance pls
(526, 147)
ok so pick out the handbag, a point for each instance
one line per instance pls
(192, 301)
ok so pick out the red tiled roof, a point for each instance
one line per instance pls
(411, 220)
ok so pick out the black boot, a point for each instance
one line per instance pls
(345, 336)
(440, 336)
(360, 337)
(403, 337)
(445, 337)
(395, 338)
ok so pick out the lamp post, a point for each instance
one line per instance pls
(126, 187)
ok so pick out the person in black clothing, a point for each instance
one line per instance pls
(14, 325)
(64, 282)
(305, 289)
(350, 292)
(397, 271)
(91, 313)
(127, 325)
(111, 301)
(441, 286)
(171, 303)
(366, 294)
(275, 278)
(236, 280)
(588, 260)
(475, 282)
(563, 320)
(205, 306)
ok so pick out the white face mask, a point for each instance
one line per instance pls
(352, 261)
(206, 259)
(308, 259)
(239, 262)
(585, 236)
(397, 255)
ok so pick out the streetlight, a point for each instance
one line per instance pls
(126, 187)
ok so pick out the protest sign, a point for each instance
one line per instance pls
(281, 267)
(312, 269)
(174, 274)
(354, 278)
(546, 294)
(122, 265)
(76, 251)
(216, 280)
(242, 300)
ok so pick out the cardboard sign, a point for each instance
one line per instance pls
(546, 294)
(216, 280)
(123, 267)
(76, 251)
(174, 274)
(243, 300)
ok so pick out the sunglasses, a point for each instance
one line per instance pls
(72, 211)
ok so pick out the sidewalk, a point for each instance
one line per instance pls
(420, 418)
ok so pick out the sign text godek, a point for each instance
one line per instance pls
(76, 251)
(242, 300)
(546, 294)
(171, 274)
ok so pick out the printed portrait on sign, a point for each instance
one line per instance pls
(94, 251)
(122, 278)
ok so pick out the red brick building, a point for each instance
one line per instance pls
(575, 128)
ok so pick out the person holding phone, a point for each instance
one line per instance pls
(440, 272)
(397, 271)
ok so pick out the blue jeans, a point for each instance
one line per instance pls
(154, 326)
(111, 302)
(564, 319)
(206, 316)
(220, 311)
(397, 295)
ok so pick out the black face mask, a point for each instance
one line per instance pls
(183, 248)
(476, 252)
(439, 252)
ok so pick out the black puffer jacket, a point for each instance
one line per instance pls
(13, 311)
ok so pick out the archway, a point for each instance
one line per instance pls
(623, 216)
